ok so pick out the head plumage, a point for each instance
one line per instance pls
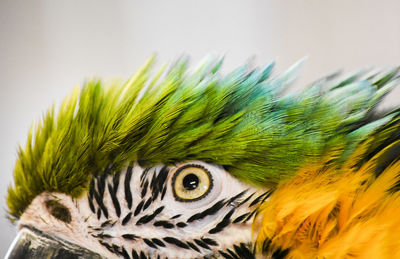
(240, 121)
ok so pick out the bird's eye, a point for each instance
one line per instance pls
(191, 182)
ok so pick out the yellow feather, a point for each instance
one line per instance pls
(326, 212)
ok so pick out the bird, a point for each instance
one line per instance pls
(195, 163)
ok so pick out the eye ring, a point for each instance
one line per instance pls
(191, 182)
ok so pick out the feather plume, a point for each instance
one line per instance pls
(330, 212)
(240, 121)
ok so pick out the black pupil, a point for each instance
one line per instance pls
(190, 182)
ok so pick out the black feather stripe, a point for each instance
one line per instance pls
(142, 255)
(116, 249)
(105, 223)
(147, 218)
(143, 220)
(251, 215)
(193, 246)
(114, 200)
(163, 192)
(106, 245)
(176, 242)
(181, 224)
(91, 205)
(246, 200)
(149, 243)
(232, 254)
(99, 201)
(161, 179)
(202, 244)
(176, 216)
(127, 186)
(129, 236)
(243, 251)
(225, 255)
(101, 183)
(157, 184)
(143, 175)
(138, 208)
(224, 223)
(135, 255)
(241, 217)
(153, 179)
(159, 210)
(124, 253)
(258, 199)
(102, 235)
(164, 223)
(116, 181)
(91, 187)
(158, 242)
(210, 211)
(154, 195)
(147, 203)
(127, 218)
(144, 188)
(234, 198)
(209, 241)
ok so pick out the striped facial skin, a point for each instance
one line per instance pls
(190, 210)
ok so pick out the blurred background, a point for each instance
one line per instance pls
(48, 47)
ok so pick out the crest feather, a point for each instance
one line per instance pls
(240, 121)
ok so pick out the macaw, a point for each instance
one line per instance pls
(194, 163)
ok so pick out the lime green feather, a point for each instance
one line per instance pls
(241, 121)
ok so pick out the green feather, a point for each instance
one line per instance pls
(241, 121)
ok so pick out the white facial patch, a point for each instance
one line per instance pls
(190, 210)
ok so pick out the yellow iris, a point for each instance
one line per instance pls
(191, 182)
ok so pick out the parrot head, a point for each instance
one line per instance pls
(179, 165)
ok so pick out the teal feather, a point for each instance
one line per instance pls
(243, 121)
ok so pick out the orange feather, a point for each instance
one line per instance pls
(327, 212)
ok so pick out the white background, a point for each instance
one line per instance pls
(48, 47)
